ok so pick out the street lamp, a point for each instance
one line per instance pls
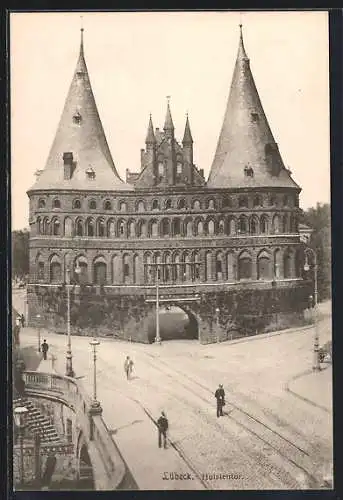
(308, 250)
(94, 343)
(217, 322)
(38, 316)
(20, 421)
(69, 364)
(158, 337)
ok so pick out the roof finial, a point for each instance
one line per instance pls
(168, 99)
(82, 30)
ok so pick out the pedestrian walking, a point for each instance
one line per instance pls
(162, 424)
(45, 348)
(128, 367)
(220, 397)
(22, 319)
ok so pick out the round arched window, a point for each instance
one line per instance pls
(92, 204)
(41, 203)
(107, 205)
(77, 204)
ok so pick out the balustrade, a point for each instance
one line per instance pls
(70, 391)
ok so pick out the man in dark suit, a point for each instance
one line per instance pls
(220, 397)
(162, 424)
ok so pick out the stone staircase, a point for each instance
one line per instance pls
(38, 423)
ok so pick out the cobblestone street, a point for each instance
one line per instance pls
(276, 432)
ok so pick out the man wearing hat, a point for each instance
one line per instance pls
(220, 397)
(162, 424)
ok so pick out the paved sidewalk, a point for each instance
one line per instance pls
(137, 439)
(314, 387)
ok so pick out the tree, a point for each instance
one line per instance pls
(20, 252)
(319, 219)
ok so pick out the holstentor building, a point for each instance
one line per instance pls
(229, 244)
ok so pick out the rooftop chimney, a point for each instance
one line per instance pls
(68, 165)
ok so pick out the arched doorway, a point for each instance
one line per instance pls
(175, 323)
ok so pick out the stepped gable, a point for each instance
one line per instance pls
(247, 155)
(80, 133)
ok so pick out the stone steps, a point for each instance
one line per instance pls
(38, 423)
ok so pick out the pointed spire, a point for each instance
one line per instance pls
(187, 137)
(168, 123)
(81, 63)
(246, 151)
(82, 30)
(241, 49)
(80, 133)
(150, 137)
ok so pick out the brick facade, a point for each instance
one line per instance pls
(210, 238)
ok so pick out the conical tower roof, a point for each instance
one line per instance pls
(246, 154)
(80, 132)
(168, 122)
(150, 136)
(187, 136)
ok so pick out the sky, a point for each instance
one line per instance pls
(136, 59)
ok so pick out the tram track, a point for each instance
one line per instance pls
(281, 445)
(265, 459)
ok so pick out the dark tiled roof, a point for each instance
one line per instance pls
(150, 136)
(80, 132)
(246, 144)
(187, 137)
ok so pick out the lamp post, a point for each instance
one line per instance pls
(95, 403)
(19, 418)
(69, 363)
(158, 337)
(38, 316)
(217, 322)
(308, 250)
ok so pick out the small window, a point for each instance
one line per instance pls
(77, 118)
(92, 205)
(121, 228)
(168, 204)
(122, 206)
(248, 171)
(41, 203)
(226, 202)
(40, 270)
(77, 204)
(161, 169)
(272, 201)
(126, 270)
(90, 173)
(210, 204)
(182, 204)
(254, 117)
(107, 205)
(257, 201)
(155, 204)
(140, 206)
(243, 201)
(179, 168)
